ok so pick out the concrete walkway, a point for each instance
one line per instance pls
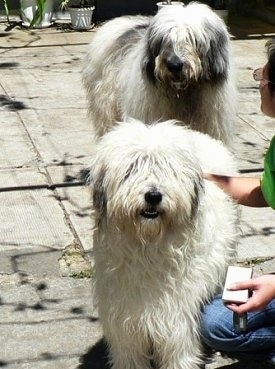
(46, 315)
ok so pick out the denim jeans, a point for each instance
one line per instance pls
(218, 332)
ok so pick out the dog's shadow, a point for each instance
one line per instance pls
(244, 365)
(96, 357)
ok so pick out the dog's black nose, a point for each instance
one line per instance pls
(174, 64)
(153, 198)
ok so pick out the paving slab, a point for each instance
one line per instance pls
(77, 203)
(26, 176)
(46, 323)
(32, 220)
(249, 146)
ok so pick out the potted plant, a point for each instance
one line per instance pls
(162, 4)
(220, 7)
(7, 10)
(81, 13)
(34, 13)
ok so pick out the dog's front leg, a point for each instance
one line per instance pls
(183, 354)
(128, 356)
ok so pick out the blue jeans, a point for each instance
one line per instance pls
(258, 341)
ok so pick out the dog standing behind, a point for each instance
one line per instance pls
(174, 65)
(163, 241)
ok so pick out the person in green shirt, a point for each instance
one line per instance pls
(217, 329)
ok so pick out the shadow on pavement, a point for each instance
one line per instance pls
(96, 357)
(10, 104)
(246, 365)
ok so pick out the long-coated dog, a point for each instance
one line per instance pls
(174, 65)
(164, 237)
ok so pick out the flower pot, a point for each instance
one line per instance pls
(222, 14)
(28, 9)
(162, 4)
(81, 18)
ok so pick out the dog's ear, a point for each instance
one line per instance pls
(216, 61)
(148, 66)
(98, 191)
(151, 51)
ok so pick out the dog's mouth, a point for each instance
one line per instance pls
(179, 84)
(150, 213)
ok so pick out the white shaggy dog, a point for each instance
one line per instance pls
(163, 241)
(175, 65)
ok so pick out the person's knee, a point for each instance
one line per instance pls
(212, 331)
(217, 326)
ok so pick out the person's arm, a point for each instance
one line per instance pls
(263, 291)
(245, 190)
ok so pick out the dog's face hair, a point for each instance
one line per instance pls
(155, 189)
(182, 50)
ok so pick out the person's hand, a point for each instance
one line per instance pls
(263, 291)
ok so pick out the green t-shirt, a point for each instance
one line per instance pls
(268, 176)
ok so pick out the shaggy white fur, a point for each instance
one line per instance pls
(175, 65)
(163, 241)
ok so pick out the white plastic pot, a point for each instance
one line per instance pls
(28, 9)
(223, 14)
(161, 5)
(81, 18)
